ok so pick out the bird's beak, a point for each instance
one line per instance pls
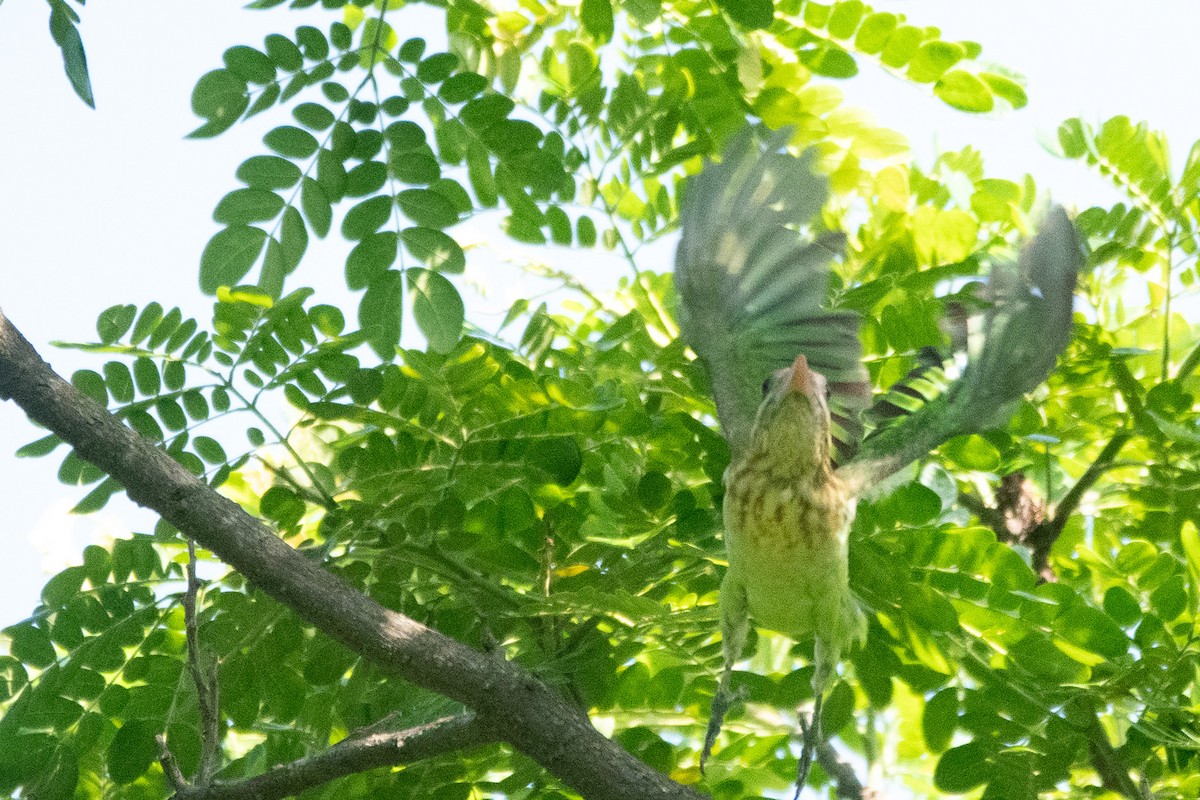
(801, 380)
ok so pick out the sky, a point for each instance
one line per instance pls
(114, 205)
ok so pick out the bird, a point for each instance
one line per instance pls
(752, 277)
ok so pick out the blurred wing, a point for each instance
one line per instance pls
(751, 289)
(1025, 330)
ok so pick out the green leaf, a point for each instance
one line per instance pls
(146, 375)
(40, 447)
(560, 225)
(209, 449)
(416, 167)
(964, 91)
(380, 313)
(131, 751)
(314, 116)
(972, 452)
(268, 172)
(597, 18)
(147, 321)
(341, 36)
(484, 112)
(1036, 653)
(434, 249)
(312, 42)
(1093, 630)
(293, 239)
(838, 709)
(412, 50)
(30, 645)
(427, 208)
(367, 178)
(404, 136)
(243, 206)
(962, 768)
(170, 413)
(902, 46)
(462, 87)
(290, 141)
(559, 457)
(91, 384)
(585, 230)
(371, 257)
(97, 499)
(912, 504)
(874, 32)
(831, 62)
(60, 589)
(219, 97)
(316, 206)
(1170, 599)
(367, 217)
(229, 255)
(283, 52)
(437, 308)
(1005, 88)
(174, 375)
(119, 381)
(750, 14)
(1122, 606)
(114, 322)
(940, 719)
(933, 59)
(66, 36)
(249, 64)
(844, 19)
(437, 68)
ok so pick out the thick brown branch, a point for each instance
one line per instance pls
(510, 703)
(368, 750)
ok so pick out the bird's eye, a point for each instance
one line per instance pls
(766, 387)
(828, 391)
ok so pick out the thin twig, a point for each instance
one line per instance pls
(170, 768)
(1114, 775)
(206, 686)
(849, 787)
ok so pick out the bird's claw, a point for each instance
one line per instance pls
(812, 735)
(722, 702)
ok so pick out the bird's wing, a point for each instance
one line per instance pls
(752, 290)
(1025, 329)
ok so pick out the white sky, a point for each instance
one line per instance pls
(114, 206)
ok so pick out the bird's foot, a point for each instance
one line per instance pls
(722, 702)
(812, 736)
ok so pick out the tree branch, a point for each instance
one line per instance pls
(369, 749)
(1114, 775)
(509, 702)
(1037, 533)
(848, 785)
(207, 687)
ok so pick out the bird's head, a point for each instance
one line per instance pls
(792, 425)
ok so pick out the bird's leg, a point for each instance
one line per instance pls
(735, 626)
(813, 736)
(825, 659)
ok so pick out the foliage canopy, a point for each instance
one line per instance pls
(551, 492)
